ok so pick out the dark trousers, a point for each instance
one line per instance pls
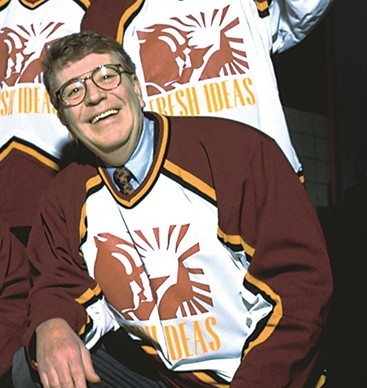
(6, 381)
(117, 363)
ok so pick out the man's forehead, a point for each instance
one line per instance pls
(82, 67)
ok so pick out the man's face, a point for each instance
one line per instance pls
(106, 122)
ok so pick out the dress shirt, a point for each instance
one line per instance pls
(142, 157)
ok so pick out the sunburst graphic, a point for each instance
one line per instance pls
(24, 47)
(195, 47)
(152, 273)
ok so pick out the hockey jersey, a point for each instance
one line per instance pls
(209, 57)
(32, 139)
(215, 269)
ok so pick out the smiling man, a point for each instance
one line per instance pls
(211, 270)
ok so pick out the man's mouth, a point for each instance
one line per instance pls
(103, 115)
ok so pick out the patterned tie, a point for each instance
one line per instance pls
(122, 177)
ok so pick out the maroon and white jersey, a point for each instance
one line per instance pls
(212, 267)
(210, 57)
(31, 136)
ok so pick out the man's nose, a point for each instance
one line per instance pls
(93, 93)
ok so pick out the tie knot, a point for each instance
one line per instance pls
(122, 177)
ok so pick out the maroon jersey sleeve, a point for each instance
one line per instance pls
(14, 288)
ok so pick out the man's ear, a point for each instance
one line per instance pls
(138, 91)
(72, 137)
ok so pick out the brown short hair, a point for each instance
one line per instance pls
(74, 47)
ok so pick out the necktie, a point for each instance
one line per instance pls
(122, 177)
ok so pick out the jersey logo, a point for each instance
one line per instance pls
(151, 274)
(23, 47)
(189, 54)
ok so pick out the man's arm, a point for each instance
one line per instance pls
(290, 265)
(62, 287)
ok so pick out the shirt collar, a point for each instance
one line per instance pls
(142, 157)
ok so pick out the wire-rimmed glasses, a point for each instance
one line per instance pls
(106, 77)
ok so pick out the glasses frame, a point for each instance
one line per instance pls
(115, 66)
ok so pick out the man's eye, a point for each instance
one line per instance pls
(73, 92)
(106, 78)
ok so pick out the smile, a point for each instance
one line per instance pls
(104, 115)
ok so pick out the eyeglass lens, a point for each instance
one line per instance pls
(106, 77)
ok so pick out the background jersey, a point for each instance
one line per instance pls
(209, 57)
(31, 136)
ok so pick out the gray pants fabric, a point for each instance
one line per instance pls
(113, 373)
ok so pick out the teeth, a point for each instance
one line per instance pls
(103, 115)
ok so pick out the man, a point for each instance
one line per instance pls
(209, 57)
(14, 288)
(211, 270)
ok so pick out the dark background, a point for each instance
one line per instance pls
(327, 74)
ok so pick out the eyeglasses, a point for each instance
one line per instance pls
(106, 77)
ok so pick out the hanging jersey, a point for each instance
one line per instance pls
(209, 57)
(31, 136)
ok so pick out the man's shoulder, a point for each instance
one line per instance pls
(71, 178)
(210, 126)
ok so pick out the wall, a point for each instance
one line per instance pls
(309, 136)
